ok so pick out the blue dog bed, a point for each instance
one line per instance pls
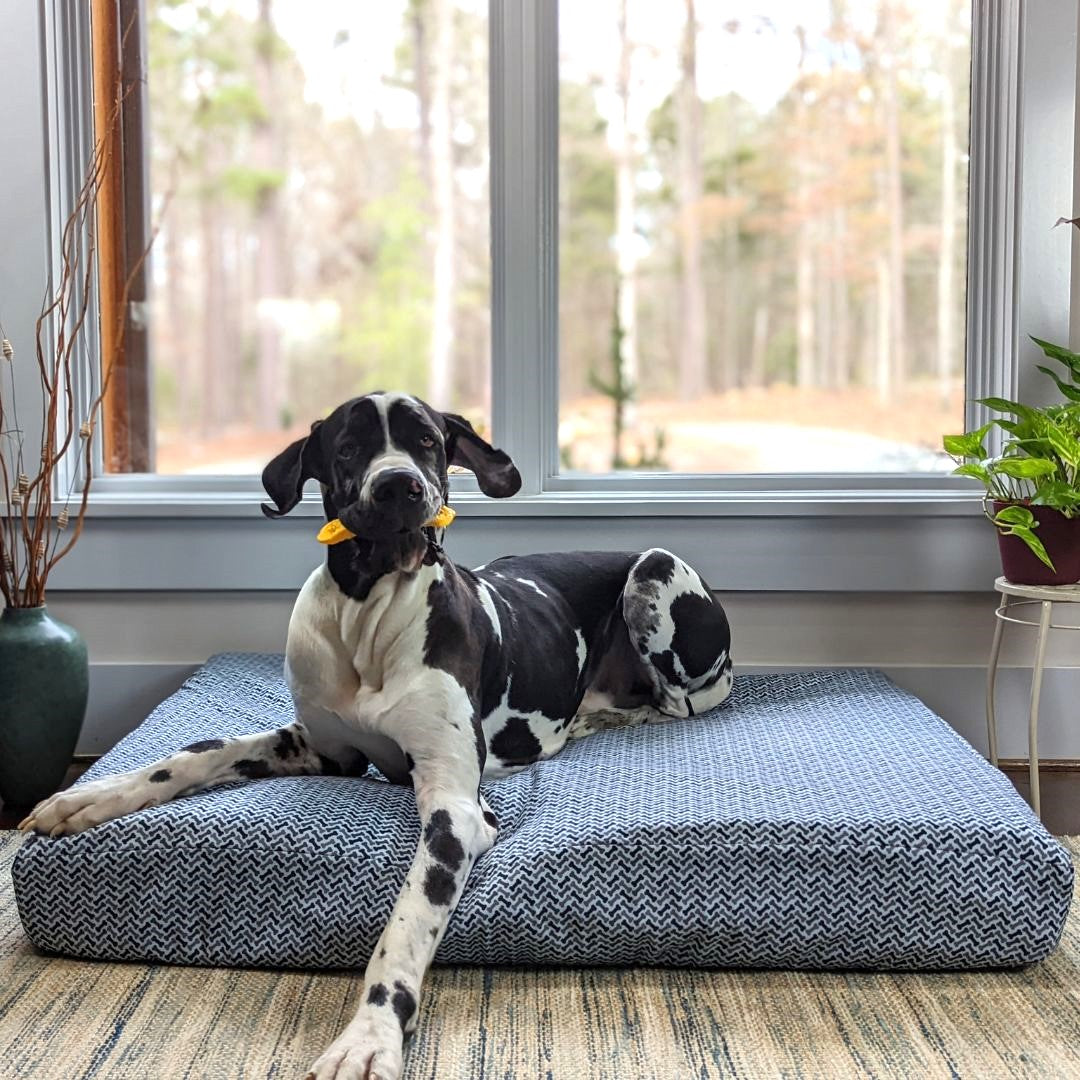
(818, 820)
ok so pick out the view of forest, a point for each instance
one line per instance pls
(762, 239)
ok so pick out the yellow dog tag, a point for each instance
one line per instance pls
(333, 532)
(443, 518)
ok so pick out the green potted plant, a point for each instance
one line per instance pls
(1033, 485)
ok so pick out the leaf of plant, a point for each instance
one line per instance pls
(1071, 392)
(1059, 353)
(967, 445)
(1057, 494)
(1032, 542)
(1027, 468)
(1016, 515)
(1025, 412)
(979, 472)
(1066, 446)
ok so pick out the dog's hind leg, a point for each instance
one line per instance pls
(679, 632)
(285, 752)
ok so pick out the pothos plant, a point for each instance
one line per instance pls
(1039, 463)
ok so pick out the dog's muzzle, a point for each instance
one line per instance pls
(396, 500)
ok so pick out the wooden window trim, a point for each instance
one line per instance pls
(117, 29)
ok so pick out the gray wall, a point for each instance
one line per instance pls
(144, 644)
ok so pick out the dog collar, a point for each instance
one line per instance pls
(334, 532)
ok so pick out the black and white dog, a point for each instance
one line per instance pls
(438, 675)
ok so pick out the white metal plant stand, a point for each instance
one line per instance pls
(1020, 596)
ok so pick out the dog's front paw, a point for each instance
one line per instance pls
(89, 804)
(368, 1049)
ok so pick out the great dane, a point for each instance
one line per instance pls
(439, 676)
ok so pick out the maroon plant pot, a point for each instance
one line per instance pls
(1061, 538)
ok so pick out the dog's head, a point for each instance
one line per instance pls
(382, 460)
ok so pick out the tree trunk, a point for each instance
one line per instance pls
(883, 368)
(625, 212)
(823, 321)
(215, 313)
(759, 336)
(422, 85)
(804, 305)
(441, 158)
(946, 284)
(804, 239)
(837, 361)
(178, 349)
(841, 304)
(693, 359)
(270, 374)
(894, 196)
(729, 368)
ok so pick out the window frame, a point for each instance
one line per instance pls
(1017, 112)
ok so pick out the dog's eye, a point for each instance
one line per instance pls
(347, 450)
(427, 441)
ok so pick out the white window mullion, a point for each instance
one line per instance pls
(1048, 76)
(993, 206)
(524, 234)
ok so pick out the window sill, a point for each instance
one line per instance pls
(211, 502)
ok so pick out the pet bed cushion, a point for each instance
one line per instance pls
(824, 819)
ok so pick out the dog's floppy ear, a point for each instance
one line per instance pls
(284, 477)
(495, 472)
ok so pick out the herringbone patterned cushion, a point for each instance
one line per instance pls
(819, 820)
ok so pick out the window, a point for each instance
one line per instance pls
(320, 172)
(762, 234)
(728, 238)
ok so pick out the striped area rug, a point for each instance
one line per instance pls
(66, 1020)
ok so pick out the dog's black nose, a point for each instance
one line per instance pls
(398, 486)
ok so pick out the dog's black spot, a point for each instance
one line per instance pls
(656, 566)
(701, 632)
(301, 741)
(434, 932)
(358, 766)
(515, 744)
(382, 953)
(328, 766)
(252, 768)
(455, 635)
(202, 747)
(160, 776)
(403, 1003)
(481, 742)
(665, 663)
(410, 763)
(377, 995)
(286, 747)
(491, 819)
(441, 841)
(439, 886)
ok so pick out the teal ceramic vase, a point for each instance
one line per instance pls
(44, 680)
